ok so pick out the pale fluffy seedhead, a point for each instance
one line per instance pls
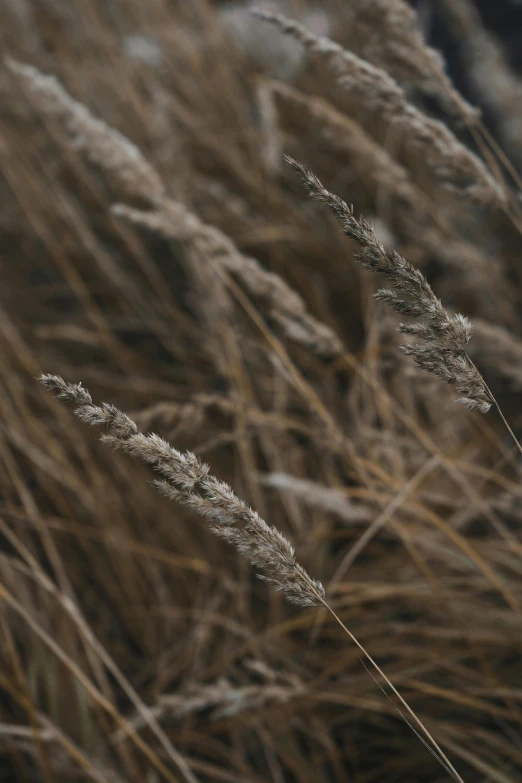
(187, 480)
(442, 338)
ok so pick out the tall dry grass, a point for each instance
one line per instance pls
(157, 248)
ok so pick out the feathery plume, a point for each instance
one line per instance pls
(122, 161)
(386, 32)
(414, 212)
(442, 338)
(374, 90)
(315, 495)
(344, 134)
(494, 81)
(174, 221)
(104, 146)
(224, 698)
(186, 479)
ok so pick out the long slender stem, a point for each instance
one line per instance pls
(499, 409)
(379, 671)
(499, 152)
(515, 439)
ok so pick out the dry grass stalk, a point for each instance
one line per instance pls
(441, 349)
(187, 480)
(227, 700)
(176, 418)
(317, 496)
(373, 90)
(492, 77)
(271, 149)
(104, 146)
(124, 163)
(67, 759)
(174, 221)
(224, 698)
(346, 135)
(386, 32)
(414, 212)
(166, 607)
(443, 339)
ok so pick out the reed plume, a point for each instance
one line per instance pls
(413, 211)
(174, 221)
(386, 32)
(496, 84)
(104, 146)
(225, 698)
(171, 301)
(315, 495)
(127, 168)
(186, 479)
(442, 338)
(373, 90)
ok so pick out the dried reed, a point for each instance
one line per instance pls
(285, 306)
(317, 496)
(106, 147)
(224, 698)
(186, 480)
(125, 164)
(386, 32)
(413, 211)
(445, 336)
(99, 588)
(374, 91)
(441, 349)
(495, 83)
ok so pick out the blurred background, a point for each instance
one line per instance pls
(224, 310)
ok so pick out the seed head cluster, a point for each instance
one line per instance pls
(442, 338)
(184, 478)
(372, 90)
(104, 146)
